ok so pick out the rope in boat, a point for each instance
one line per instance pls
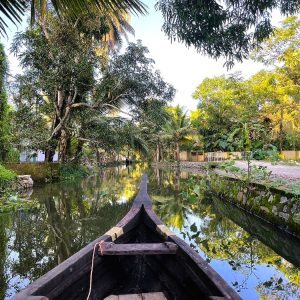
(101, 247)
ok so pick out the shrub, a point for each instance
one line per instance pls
(6, 177)
(268, 153)
(13, 155)
(70, 171)
(39, 171)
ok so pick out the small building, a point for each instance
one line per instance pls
(35, 156)
(194, 156)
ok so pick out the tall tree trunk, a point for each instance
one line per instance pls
(98, 156)
(281, 131)
(157, 152)
(63, 146)
(52, 142)
(79, 149)
(177, 151)
(49, 155)
(59, 132)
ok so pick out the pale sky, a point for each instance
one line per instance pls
(182, 67)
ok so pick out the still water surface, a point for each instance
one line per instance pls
(259, 261)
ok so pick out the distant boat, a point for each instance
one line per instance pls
(139, 258)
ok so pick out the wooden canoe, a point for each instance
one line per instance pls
(139, 255)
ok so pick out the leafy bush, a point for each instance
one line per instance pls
(13, 155)
(70, 171)
(39, 171)
(267, 153)
(229, 166)
(6, 177)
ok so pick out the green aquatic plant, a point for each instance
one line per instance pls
(14, 202)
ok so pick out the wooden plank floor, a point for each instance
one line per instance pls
(109, 248)
(143, 296)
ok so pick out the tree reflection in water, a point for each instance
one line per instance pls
(71, 215)
(257, 259)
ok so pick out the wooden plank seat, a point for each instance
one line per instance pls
(110, 248)
(143, 296)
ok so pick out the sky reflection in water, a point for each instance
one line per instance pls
(72, 214)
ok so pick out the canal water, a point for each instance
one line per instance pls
(256, 259)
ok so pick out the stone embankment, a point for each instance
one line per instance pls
(195, 167)
(274, 205)
(278, 208)
(24, 182)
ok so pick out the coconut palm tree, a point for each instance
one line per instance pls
(178, 129)
(13, 10)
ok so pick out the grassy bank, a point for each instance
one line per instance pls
(274, 200)
(10, 199)
(257, 176)
(46, 172)
(7, 178)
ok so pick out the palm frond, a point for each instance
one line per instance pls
(13, 10)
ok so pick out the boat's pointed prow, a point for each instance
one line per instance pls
(142, 197)
(138, 256)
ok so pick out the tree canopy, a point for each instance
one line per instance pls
(66, 84)
(230, 28)
(268, 102)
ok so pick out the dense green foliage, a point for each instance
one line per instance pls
(261, 112)
(77, 87)
(4, 109)
(40, 172)
(6, 178)
(177, 130)
(230, 28)
(69, 89)
(71, 171)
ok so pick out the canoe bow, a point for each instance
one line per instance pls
(50, 285)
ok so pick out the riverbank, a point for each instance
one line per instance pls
(269, 198)
(74, 213)
(281, 178)
(42, 172)
(18, 179)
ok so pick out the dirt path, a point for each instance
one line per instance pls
(278, 171)
(290, 173)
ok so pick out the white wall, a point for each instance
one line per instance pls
(27, 156)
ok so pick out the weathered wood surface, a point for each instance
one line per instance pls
(143, 296)
(109, 248)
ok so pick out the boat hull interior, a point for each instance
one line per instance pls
(174, 275)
